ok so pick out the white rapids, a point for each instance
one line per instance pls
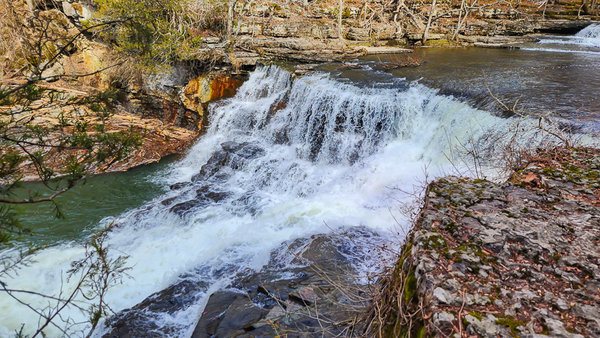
(586, 41)
(326, 155)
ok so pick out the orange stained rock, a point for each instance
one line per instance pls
(224, 86)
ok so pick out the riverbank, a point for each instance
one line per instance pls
(512, 259)
(169, 120)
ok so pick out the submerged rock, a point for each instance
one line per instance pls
(141, 320)
(233, 156)
(205, 196)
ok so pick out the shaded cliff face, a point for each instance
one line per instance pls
(513, 259)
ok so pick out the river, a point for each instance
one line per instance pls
(292, 156)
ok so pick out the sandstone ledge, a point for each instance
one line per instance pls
(499, 260)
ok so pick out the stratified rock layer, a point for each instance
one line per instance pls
(500, 260)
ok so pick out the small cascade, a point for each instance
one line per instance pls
(590, 35)
(586, 41)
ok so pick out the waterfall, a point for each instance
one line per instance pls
(284, 158)
(586, 41)
(590, 35)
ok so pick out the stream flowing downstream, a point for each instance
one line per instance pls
(288, 157)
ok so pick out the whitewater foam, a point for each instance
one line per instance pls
(330, 155)
(558, 50)
(587, 37)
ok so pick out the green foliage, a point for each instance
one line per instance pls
(58, 151)
(410, 288)
(100, 273)
(153, 30)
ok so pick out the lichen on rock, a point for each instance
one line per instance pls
(519, 258)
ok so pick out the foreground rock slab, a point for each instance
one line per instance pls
(309, 288)
(504, 260)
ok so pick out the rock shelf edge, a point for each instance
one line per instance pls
(516, 259)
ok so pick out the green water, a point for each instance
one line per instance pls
(87, 204)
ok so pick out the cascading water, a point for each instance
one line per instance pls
(279, 160)
(591, 33)
(586, 41)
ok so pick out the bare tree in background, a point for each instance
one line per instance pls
(431, 11)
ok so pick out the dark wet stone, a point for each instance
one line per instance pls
(204, 197)
(168, 201)
(233, 156)
(185, 207)
(245, 150)
(248, 203)
(179, 185)
(231, 146)
(242, 309)
(278, 289)
(214, 312)
(204, 189)
(174, 298)
(240, 315)
(306, 295)
(135, 322)
(249, 151)
(241, 157)
(213, 165)
(215, 196)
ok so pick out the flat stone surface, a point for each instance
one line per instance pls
(387, 50)
(519, 258)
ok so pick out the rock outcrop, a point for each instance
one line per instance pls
(519, 258)
(301, 49)
(309, 288)
(205, 88)
(167, 127)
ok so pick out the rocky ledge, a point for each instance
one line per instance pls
(499, 260)
(311, 287)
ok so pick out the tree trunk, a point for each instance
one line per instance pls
(400, 3)
(340, 28)
(585, 7)
(544, 12)
(230, 12)
(462, 6)
(429, 22)
(467, 10)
